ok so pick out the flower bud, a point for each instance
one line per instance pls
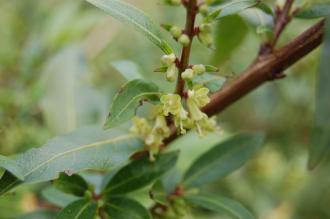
(188, 74)
(203, 9)
(171, 72)
(184, 40)
(199, 69)
(176, 31)
(140, 127)
(168, 59)
(205, 28)
(171, 104)
(206, 39)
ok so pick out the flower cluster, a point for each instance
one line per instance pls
(183, 111)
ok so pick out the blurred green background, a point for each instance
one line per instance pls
(60, 64)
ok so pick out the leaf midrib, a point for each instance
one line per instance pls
(96, 144)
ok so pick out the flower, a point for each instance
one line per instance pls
(160, 127)
(168, 60)
(199, 95)
(140, 127)
(171, 72)
(199, 69)
(188, 74)
(171, 104)
(184, 40)
(176, 31)
(206, 125)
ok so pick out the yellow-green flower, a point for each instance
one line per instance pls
(160, 127)
(206, 125)
(171, 104)
(140, 127)
(172, 72)
(199, 95)
(168, 60)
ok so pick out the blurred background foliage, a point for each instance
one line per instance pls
(60, 64)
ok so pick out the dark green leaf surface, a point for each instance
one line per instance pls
(233, 7)
(140, 173)
(320, 143)
(128, 99)
(124, 208)
(73, 184)
(222, 159)
(221, 205)
(129, 14)
(81, 209)
(86, 148)
(315, 11)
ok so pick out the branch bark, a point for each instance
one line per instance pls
(265, 67)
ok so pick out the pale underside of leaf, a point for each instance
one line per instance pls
(235, 6)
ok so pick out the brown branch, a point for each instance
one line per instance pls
(263, 69)
(191, 7)
(281, 20)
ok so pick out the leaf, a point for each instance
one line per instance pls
(129, 69)
(220, 205)
(40, 214)
(320, 141)
(124, 208)
(227, 38)
(73, 184)
(158, 193)
(140, 173)
(222, 159)
(212, 82)
(233, 7)
(129, 14)
(315, 11)
(127, 100)
(86, 148)
(58, 197)
(11, 166)
(81, 209)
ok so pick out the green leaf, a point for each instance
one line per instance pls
(40, 214)
(212, 82)
(124, 208)
(227, 38)
(73, 184)
(129, 14)
(81, 209)
(222, 159)
(220, 205)
(140, 173)
(158, 193)
(128, 99)
(58, 197)
(130, 70)
(10, 165)
(315, 11)
(86, 148)
(320, 142)
(233, 7)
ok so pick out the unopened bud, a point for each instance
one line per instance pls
(175, 2)
(184, 40)
(206, 39)
(171, 72)
(203, 9)
(168, 59)
(205, 28)
(188, 74)
(199, 69)
(176, 31)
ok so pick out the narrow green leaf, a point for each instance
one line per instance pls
(73, 184)
(222, 159)
(81, 209)
(129, 14)
(315, 11)
(158, 193)
(86, 148)
(227, 38)
(124, 208)
(140, 173)
(320, 142)
(128, 99)
(58, 197)
(233, 7)
(220, 205)
(10, 165)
